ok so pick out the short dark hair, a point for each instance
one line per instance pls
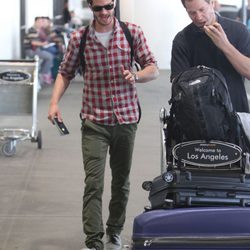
(91, 1)
(41, 17)
(184, 1)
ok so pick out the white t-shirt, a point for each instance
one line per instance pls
(104, 37)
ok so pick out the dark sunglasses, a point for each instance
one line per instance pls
(106, 7)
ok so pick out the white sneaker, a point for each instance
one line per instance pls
(113, 242)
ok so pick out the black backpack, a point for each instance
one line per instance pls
(201, 107)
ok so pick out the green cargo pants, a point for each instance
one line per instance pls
(96, 141)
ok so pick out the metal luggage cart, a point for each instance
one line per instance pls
(18, 97)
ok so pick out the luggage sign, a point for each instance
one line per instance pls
(207, 154)
(14, 76)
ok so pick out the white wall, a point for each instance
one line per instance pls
(127, 9)
(10, 26)
(238, 3)
(36, 8)
(160, 23)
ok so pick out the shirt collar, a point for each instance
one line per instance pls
(118, 32)
(92, 29)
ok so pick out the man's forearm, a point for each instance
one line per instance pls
(149, 73)
(61, 84)
(239, 61)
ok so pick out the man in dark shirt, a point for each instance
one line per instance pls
(66, 13)
(216, 42)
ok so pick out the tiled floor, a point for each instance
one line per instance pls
(41, 190)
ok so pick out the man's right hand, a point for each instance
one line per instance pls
(54, 112)
(217, 35)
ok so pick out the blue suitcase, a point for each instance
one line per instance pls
(192, 228)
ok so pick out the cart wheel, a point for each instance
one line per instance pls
(9, 148)
(39, 139)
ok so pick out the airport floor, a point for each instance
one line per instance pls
(41, 189)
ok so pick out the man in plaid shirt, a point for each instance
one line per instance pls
(109, 114)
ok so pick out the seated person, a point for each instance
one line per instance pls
(54, 36)
(34, 43)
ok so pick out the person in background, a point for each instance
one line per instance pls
(217, 6)
(109, 114)
(66, 13)
(35, 41)
(56, 44)
(217, 42)
(53, 35)
(240, 15)
(76, 21)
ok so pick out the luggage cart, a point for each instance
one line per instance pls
(18, 97)
(190, 155)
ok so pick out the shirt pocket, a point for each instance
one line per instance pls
(122, 55)
(95, 58)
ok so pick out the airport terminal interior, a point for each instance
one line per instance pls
(42, 177)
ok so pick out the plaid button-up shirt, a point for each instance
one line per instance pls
(107, 97)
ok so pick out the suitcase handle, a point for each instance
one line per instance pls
(192, 201)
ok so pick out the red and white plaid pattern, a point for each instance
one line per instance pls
(107, 97)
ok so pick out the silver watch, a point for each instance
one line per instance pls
(136, 77)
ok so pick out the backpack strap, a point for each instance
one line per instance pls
(129, 39)
(82, 48)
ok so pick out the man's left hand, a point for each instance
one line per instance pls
(127, 75)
